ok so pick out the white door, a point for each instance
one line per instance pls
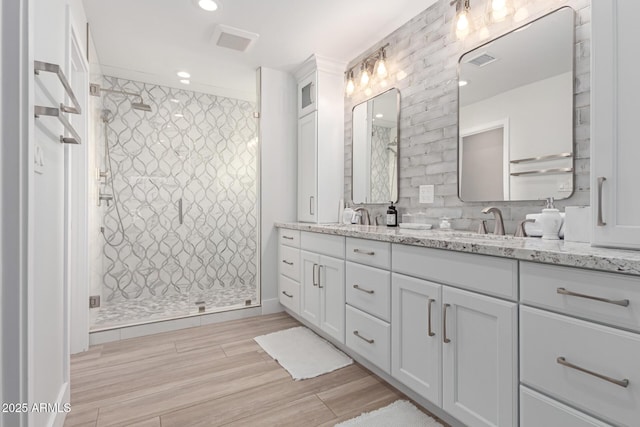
(615, 103)
(310, 291)
(480, 353)
(307, 168)
(332, 297)
(416, 335)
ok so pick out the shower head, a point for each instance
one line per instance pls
(141, 106)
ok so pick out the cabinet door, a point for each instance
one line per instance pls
(479, 365)
(615, 151)
(416, 335)
(331, 279)
(310, 291)
(307, 168)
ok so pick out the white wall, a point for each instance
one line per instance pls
(48, 298)
(536, 127)
(278, 171)
(14, 121)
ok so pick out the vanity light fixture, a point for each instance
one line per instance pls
(462, 21)
(373, 66)
(351, 86)
(498, 10)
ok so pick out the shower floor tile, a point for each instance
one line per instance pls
(121, 312)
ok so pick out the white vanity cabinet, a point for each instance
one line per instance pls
(566, 355)
(322, 283)
(615, 103)
(456, 348)
(289, 269)
(368, 297)
(320, 139)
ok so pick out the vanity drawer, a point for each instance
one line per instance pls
(547, 286)
(549, 341)
(322, 244)
(289, 262)
(369, 289)
(370, 252)
(481, 273)
(289, 293)
(373, 339)
(289, 237)
(538, 410)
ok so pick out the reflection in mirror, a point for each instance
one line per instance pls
(516, 114)
(375, 149)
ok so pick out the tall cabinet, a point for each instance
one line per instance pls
(320, 139)
(615, 151)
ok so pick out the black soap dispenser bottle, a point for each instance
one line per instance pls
(392, 216)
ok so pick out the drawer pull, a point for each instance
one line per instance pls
(287, 237)
(363, 338)
(287, 262)
(444, 323)
(363, 290)
(431, 301)
(622, 383)
(287, 295)
(360, 251)
(622, 302)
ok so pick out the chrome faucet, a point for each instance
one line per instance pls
(497, 214)
(362, 215)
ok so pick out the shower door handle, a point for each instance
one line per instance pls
(180, 217)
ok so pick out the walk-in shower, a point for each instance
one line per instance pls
(178, 181)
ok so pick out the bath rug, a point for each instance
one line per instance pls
(400, 413)
(303, 353)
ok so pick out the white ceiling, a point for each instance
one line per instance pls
(150, 40)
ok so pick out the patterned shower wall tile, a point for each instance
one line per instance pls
(201, 150)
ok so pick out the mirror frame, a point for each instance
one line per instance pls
(573, 107)
(397, 148)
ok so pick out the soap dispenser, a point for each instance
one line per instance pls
(392, 216)
(551, 221)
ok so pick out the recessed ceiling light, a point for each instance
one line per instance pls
(463, 83)
(185, 81)
(208, 5)
(379, 115)
(183, 74)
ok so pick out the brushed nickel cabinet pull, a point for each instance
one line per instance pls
(370, 341)
(431, 301)
(622, 383)
(601, 180)
(287, 262)
(319, 279)
(360, 251)
(622, 302)
(287, 237)
(315, 266)
(444, 323)
(287, 295)
(363, 290)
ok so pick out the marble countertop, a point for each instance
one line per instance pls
(557, 252)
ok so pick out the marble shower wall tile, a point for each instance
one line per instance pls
(193, 148)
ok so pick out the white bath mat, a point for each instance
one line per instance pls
(302, 353)
(400, 413)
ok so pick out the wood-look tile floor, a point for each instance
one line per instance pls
(213, 375)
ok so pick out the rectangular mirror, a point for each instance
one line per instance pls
(515, 122)
(375, 137)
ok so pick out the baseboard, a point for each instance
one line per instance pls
(271, 306)
(57, 418)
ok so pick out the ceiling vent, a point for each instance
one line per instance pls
(234, 38)
(482, 60)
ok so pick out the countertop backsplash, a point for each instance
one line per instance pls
(422, 60)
